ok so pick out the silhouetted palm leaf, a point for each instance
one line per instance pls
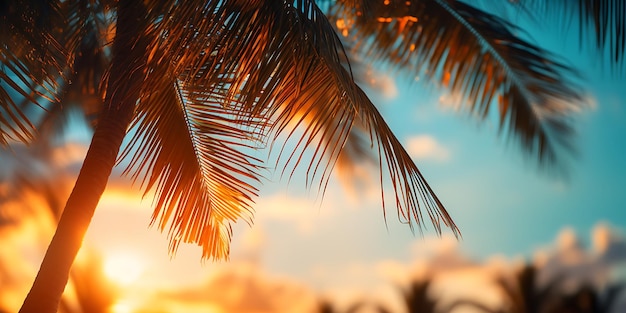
(31, 60)
(255, 76)
(477, 55)
(601, 21)
(54, 59)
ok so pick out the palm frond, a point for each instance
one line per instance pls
(601, 21)
(222, 81)
(54, 63)
(330, 83)
(31, 61)
(477, 55)
(84, 37)
(188, 150)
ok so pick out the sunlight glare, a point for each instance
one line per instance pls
(123, 268)
(122, 307)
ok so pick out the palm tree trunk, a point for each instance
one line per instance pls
(127, 72)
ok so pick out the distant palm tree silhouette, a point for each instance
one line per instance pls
(526, 296)
(325, 306)
(588, 299)
(417, 298)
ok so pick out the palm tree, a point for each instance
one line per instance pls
(204, 83)
(417, 297)
(588, 299)
(326, 306)
(526, 296)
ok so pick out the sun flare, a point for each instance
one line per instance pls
(123, 268)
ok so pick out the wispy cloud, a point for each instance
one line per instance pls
(426, 147)
(300, 211)
(386, 84)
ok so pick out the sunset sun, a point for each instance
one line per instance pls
(123, 268)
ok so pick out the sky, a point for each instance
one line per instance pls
(341, 247)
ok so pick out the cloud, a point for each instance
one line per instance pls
(455, 276)
(426, 147)
(372, 78)
(569, 258)
(238, 287)
(609, 244)
(302, 212)
(451, 101)
(386, 84)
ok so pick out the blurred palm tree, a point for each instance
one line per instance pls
(525, 295)
(470, 303)
(417, 297)
(589, 299)
(325, 306)
(204, 84)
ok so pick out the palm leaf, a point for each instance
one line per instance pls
(85, 35)
(31, 61)
(187, 150)
(477, 55)
(221, 81)
(601, 21)
(55, 69)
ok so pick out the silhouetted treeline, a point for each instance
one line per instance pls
(523, 294)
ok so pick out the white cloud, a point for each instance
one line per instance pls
(426, 147)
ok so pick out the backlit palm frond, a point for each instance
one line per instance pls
(193, 145)
(479, 56)
(412, 192)
(188, 148)
(203, 111)
(602, 21)
(31, 62)
(262, 58)
(243, 79)
(328, 103)
(60, 66)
